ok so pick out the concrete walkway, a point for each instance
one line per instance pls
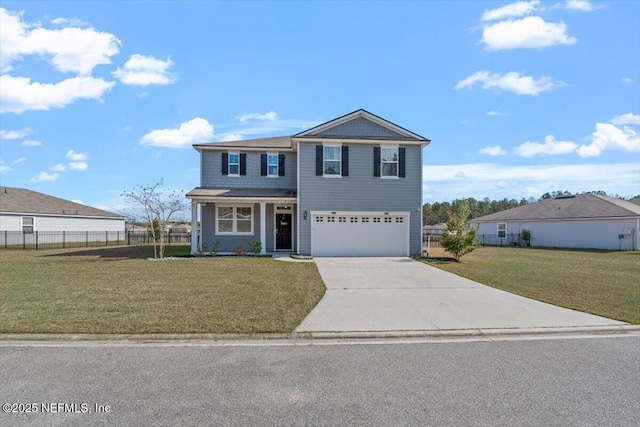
(400, 294)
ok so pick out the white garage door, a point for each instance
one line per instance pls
(361, 234)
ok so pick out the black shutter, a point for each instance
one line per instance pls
(401, 162)
(345, 160)
(319, 160)
(225, 163)
(263, 165)
(376, 161)
(243, 164)
(280, 164)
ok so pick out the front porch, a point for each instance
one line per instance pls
(232, 218)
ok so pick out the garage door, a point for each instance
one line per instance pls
(370, 234)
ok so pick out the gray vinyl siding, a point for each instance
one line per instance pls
(360, 127)
(211, 172)
(360, 191)
(228, 243)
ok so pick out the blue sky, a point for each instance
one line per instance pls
(518, 98)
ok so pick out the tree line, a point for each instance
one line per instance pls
(441, 212)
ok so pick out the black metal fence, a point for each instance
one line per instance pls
(509, 239)
(75, 239)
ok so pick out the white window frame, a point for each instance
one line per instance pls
(339, 160)
(504, 232)
(234, 228)
(383, 162)
(33, 224)
(269, 174)
(234, 163)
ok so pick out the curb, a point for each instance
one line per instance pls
(309, 337)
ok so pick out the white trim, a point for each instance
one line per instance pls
(273, 153)
(336, 145)
(297, 248)
(218, 147)
(229, 154)
(397, 162)
(194, 228)
(61, 215)
(217, 199)
(235, 219)
(319, 140)
(485, 221)
(263, 227)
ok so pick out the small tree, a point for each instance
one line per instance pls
(157, 206)
(457, 239)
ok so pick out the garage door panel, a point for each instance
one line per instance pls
(359, 235)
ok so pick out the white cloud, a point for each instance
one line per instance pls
(609, 137)
(550, 146)
(531, 32)
(192, 132)
(78, 201)
(71, 22)
(511, 81)
(582, 5)
(627, 80)
(626, 119)
(31, 143)
(68, 49)
(4, 169)
(484, 179)
(15, 134)
(76, 157)
(19, 160)
(79, 166)
(270, 116)
(144, 70)
(231, 137)
(494, 113)
(43, 177)
(494, 150)
(512, 10)
(58, 168)
(18, 94)
(460, 175)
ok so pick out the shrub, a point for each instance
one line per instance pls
(256, 247)
(240, 251)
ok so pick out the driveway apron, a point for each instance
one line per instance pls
(401, 294)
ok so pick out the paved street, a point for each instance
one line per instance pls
(400, 294)
(588, 381)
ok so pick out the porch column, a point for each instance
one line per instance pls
(263, 227)
(194, 227)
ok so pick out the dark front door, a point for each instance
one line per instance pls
(283, 231)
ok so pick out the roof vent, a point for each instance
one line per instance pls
(565, 196)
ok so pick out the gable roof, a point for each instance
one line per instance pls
(21, 200)
(358, 125)
(580, 206)
(382, 129)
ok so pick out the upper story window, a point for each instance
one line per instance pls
(27, 224)
(272, 164)
(234, 164)
(332, 160)
(389, 161)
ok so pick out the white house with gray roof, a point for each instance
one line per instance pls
(25, 213)
(575, 221)
(349, 187)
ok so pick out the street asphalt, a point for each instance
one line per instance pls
(550, 382)
(401, 294)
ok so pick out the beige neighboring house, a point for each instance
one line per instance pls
(575, 221)
(435, 229)
(25, 213)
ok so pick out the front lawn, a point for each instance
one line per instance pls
(116, 290)
(605, 283)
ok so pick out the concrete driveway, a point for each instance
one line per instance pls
(401, 294)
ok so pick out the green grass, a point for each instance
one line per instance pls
(116, 290)
(605, 283)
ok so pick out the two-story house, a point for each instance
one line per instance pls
(349, 187)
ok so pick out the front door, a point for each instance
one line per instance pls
(283, 231)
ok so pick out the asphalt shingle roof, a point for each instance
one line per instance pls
(581, 206)
(266, 143)
(20, 200)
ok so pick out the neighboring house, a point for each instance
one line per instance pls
(435, 229)
(25, 213)
(580, 221)
(349, 187)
